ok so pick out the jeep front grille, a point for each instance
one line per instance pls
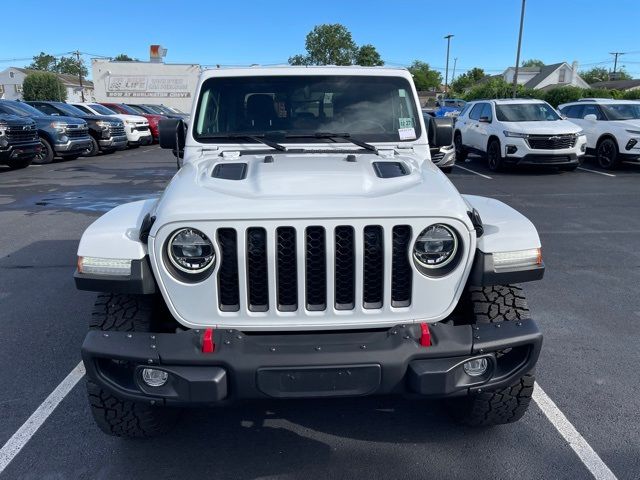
(314, 267)
(551, 142)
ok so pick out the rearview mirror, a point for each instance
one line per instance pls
(440, 131)
(591, 117)
(171, 133)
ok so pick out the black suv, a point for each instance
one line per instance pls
(107, 133)
(62, 136)
(19, 141)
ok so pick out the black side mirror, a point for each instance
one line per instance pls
(172, 135)
(484, 120)
(440, 132)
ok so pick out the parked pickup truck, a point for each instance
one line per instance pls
(107, 133)
(61, 136)
(19, 141)
(135, 126)
(308, 247)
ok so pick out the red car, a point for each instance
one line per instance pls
(151, 117)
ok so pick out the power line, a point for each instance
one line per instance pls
(615, 61)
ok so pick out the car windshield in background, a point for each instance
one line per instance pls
(137, 109)
(154, 109)
(622, 111)
(70, 110)
(379, 109)
(21, 109)
(102, 110)
(526, 112)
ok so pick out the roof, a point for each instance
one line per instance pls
(71, 80)
(601, 101)
(306, 70)
(617, 84)
(507, 101)
(544, 73)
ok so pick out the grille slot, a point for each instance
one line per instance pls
(287, 269)
(373, 263)
(77, 132)
(345, 265)
(401, 273)
(258, 282)
(117, 131)
(551, 142)
(228, 285)
(316, 269)
(20, 134)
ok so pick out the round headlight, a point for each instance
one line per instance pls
(435, 247)
(190, 251)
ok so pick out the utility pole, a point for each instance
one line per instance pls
(453, 76)
(80, 75)
(615, 62)
(515, 75)
(446, 74)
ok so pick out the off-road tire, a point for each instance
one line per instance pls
(18, 163)
(607, 154)
(494, 156)
(116, 416)
(461, 152)
(46, 153)
(506, 405)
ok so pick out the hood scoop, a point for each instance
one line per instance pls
(230, 171)
(390, 169)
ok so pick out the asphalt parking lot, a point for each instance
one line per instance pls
(588, 306)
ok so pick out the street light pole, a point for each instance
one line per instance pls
(515, 75)
(446, 74)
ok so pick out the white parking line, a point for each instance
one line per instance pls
(37, 418)
(595, 171)
(587, 455)
(472, 171)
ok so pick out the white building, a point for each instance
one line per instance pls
(547, 76)
(145, 82)
(12, 78)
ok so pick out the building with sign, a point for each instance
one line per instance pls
(12, 78)
(145, 82)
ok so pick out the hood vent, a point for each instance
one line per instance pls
(230, 171)
(390, 169)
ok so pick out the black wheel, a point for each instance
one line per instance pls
(115, 416)
(46, 153)
(94, 149)
(494, 156)
(506, 405)
(446, 169)
(461, 152)
(607, 154)
(18, 163)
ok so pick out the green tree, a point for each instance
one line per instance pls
(44, 62)
(595, 74)
(368, 56)
(71, 66)
(43, 86)
(328, 44)
(123, 57)
(496, 87)
(532, 62)
(424, 77)
(467, 79)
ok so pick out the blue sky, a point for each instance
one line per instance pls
(267, 32)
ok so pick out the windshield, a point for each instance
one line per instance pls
(371, 108)
(21, 109)
(526, 112)
(154, 109)
(138, 109)
(70, 110)
(101, 109)
(622, 111)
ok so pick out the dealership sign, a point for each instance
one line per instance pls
(159, 86)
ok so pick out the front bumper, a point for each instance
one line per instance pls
(139, 137)
(262, 365)
(544, 159)
(76, 145)
(113, 142)
(20, 150)
(443, 157)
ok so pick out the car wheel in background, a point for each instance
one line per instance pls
(461, 153)
(607, 154)
(18, 163)
(95, 148)
(494, 156)
(45, 155)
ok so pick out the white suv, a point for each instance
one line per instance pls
(135, 126)
(612, 128)
(518, 132)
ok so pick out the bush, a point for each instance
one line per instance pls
(631, 95)
(562, 95)
(43, 86)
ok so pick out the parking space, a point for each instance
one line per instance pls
(587, 306)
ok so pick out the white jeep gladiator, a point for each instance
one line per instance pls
(307, 247)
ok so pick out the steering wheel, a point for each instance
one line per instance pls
(376, 127)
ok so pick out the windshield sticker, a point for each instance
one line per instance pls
(407, 133)
(405, 122)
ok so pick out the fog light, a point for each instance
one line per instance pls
(583, 147)
(630, 144)
(511, 149)
(476, 367)
(155, 378)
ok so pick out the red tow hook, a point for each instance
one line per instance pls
(207, 341)
(425, 336)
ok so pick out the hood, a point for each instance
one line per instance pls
(102, 118)
(308, 186)
(60, 118)
(13, 120)
(130, 118)
(556, 127)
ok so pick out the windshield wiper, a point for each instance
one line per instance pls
(331, 135)
(256, 138)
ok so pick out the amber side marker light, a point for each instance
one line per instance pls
(104, 266)
(517, 259)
